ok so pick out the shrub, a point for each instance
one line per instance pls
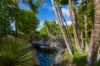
(80, 60)
(97, 63)
(15, 52)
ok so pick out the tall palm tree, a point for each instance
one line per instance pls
(95, 35)
(72, 10)
(62, 30)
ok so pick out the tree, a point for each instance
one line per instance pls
(5, 6)
(44, 32)
(85, 17)
(23, 19)
(69, 47)
(85, 24)
(72, 10)
(34, 4)
(50, 28)
(27, 20)
(95, 35)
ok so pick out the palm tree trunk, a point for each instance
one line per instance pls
(65, 27)
(82, 40)
(86, 33)
(95, 36)
(86, 46)
(75, 27)
(62, 30)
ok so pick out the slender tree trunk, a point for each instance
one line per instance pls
(75, 27)
(86, 47)
(65, 27)
(62, 30)
(86, 33)
(95, 36)
(82, 40)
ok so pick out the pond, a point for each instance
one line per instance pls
(45, 59)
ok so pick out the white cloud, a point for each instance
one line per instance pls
(69, 22)
(47, 6)
(65, 12)
(41, 24)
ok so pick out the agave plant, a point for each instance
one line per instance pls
(14, 52)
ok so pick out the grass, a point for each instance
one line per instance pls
(15, 52)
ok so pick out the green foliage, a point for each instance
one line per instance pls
(64, 2)
(97, 63)
(4, 16)
(34, 36)
(85, 16)
(43, 32)
(80, 60)
(25, 21)
(87, 10)
(70, 30)
(53, 27)
(15, 52)
(50, 27)
(34, 4)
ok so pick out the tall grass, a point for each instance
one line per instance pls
(15, 52)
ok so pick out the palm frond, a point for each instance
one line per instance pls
(14, 52)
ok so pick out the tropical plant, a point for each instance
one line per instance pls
(66, 39)
(85, 25)
(72, 10)
(33, 4)
(16, 52)
(52, 28)
(85, 17)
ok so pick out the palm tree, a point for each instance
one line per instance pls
(62, 30)
(15, 52)
(33, 4)
(95, 35)
(72, 10)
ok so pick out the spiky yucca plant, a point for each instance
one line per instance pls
(15, 52)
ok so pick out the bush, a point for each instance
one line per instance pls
(80, 60)
(15, 52)
(97, 63)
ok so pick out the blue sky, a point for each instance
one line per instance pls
(45, 12)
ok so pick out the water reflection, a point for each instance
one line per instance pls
(44, 59)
